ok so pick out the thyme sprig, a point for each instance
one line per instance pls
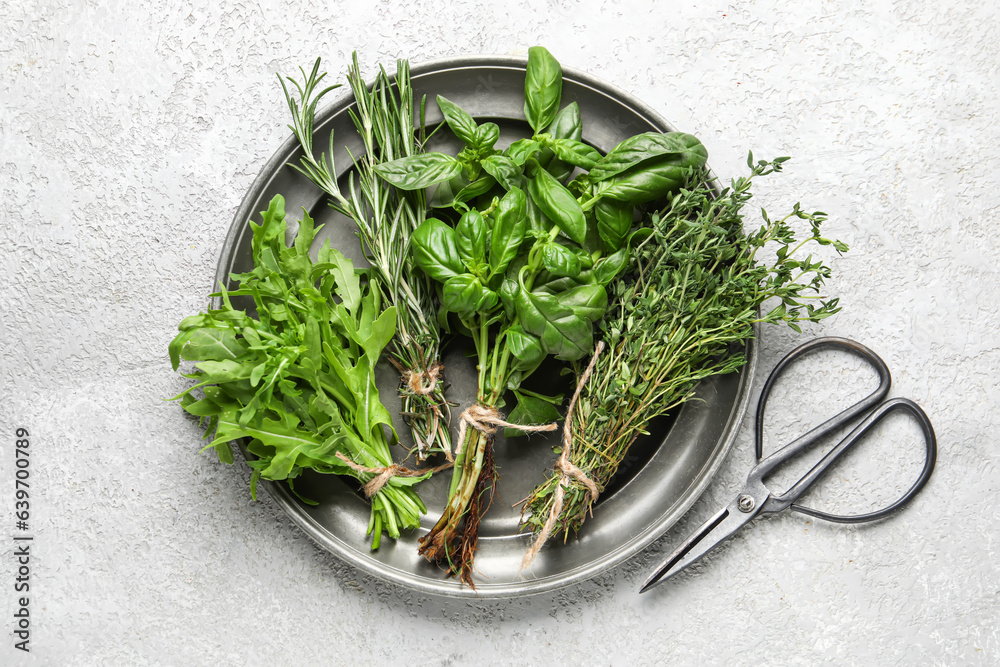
(385, 217)
(692, 295)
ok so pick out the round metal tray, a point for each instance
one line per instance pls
(664, 473)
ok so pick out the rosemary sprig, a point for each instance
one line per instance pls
(385, 217)
(688, 303)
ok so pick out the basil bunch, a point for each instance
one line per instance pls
(527, 237)
(523, 245)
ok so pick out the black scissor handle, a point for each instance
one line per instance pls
(870, 422)
(833, 423)
(872, 404)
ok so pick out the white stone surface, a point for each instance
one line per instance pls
(129, 133)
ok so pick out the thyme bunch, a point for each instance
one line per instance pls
(688, 302)
(385, 217)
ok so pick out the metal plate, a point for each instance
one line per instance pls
(664, 474)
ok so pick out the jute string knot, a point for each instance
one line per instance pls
(423, 382)
(487, 419)
(384, 473)
(567, 469)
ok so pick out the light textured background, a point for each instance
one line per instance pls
(129, 133)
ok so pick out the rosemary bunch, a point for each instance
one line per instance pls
(385, 217)
(690, 299)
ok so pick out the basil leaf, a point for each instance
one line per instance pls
(460, 122)
(416, 172)
(555, 285)
(470, 238)
(506, 172)
(638, 236)
(446, 191)
(509, 226)
(542, 88)
(563, 333)
(588, 301)
(567, 123)
(558, 204)
(647, 182)
(586, 260)
(477, 187)
(526, 348)
(686, 149)
(560, 170)
(560, 260)
(521, 150)
(485, 137)
(530, 411)
(614, 220)
(508, 294)
(488, 301)
(435, 250)
(461, 294)
(607, 268)
(538, 224)
(465, 295)
(575, 153)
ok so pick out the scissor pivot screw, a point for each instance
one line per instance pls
(746, 503)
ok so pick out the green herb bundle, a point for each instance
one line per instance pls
(525, 243)
(682, 312)
(297, 382)
(386, 218)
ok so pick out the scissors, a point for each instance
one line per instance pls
(755, 498)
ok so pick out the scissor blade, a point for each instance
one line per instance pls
(713, 532)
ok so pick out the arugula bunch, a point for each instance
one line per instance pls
(294, 374)
(525, 243)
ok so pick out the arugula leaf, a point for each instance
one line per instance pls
(348, 282)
